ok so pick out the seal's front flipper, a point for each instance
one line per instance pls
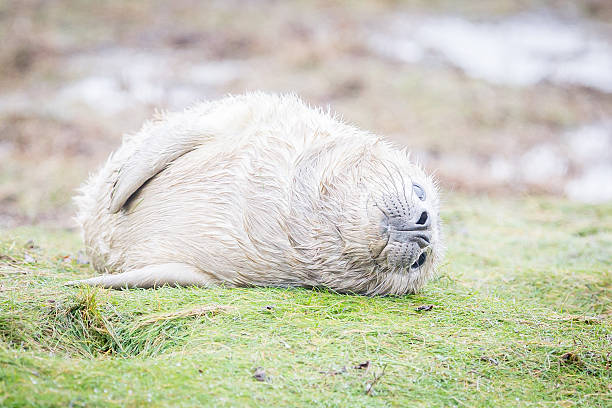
(153, 276)
(159, 143)
(156, 152)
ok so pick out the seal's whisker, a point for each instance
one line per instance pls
(390, 177)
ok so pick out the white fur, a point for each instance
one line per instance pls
(253, 190)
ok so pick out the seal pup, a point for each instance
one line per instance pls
(260, 190)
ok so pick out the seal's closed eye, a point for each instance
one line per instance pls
(419, 192)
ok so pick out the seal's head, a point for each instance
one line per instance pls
(406, 213)
(384, 211)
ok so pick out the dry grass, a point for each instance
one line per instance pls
(198, 311)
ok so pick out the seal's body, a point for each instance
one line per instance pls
(260, 190)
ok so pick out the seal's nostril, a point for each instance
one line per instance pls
(423, 219)
(420, 261)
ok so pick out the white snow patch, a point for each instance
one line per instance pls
(591, 143)
(502, 169)
(103, 94)
(111, 81)
(214, 73)
(402, 49)
(521, 50)
(590, 148)
(542, 163)
(593, 186)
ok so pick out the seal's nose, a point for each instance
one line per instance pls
(403, 223)
(405, 230)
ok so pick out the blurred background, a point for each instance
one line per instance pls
(506, 97)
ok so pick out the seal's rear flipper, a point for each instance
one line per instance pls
(153, 276)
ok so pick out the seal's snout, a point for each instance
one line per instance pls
(404, 223)
(407, 231)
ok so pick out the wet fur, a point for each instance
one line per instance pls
(253, 190)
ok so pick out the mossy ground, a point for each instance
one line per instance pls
(520, 317)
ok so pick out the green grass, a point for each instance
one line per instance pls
(521, 317)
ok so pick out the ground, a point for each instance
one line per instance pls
(519, 315)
